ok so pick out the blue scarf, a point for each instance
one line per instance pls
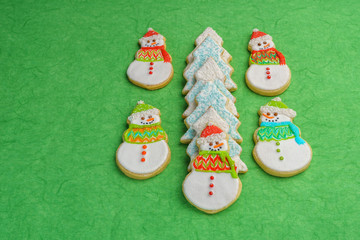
(292, 126)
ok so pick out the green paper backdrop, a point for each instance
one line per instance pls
(65, 97)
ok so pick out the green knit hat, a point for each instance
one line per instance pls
(276, 105)
(143, 109)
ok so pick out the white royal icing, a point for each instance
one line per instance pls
(138, 72)
(209, 72)
(208, 48)
(209, 32)
(225, 190)
(295, 156)
(129, 156)
(211, 96)
(257, 77)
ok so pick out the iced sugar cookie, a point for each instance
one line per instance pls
(144, 152)
(152, 67)
(268, 73)
(213, 183)
(279, 149)
(209, 32)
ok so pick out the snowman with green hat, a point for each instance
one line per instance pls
(144, 152)
(279, 148)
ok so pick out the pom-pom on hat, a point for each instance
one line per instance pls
(276, 105)
(150, 33)
(259, 36)
(143, 109)
(211, 133)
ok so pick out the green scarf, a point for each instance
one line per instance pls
(143, 134)
(223, 156)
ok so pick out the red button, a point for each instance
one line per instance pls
(268, 77)
(150, 72)
(144, 147)
(212, 177)
(143, 153)
(151, 63)
(211, 185)
(151, 68)
(267, 72)
(211, 193)
(143, 159)
(267, 68)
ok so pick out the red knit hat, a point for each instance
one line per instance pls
(257, 35)
(210, 130)
(150, 33)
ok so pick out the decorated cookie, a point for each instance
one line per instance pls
(279, 148)
(268, 73)
(208, 48)
(212, 74)
(213, 183)
(152, 67)
(144, 152)
(209, 32)
(210, 95)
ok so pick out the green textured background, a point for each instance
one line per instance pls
(65, 98)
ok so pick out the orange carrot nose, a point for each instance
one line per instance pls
(220, 144)
(267, 116)
(150, 119)
(267, 45)
(153, 43)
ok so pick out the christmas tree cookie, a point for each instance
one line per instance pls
(213, 183)
(279, 149)
(152, 67)
(209, 32)
(144, 152)
(268, 73)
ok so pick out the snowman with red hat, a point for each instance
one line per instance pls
(268, 73)
(213, 183)
(152, 68)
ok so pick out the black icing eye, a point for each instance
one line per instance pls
(264, 42)
(268, 114)
(216, 143)
(275, 114)
(149, 116)
(148, 41)
(154, 40)
(210, 144)
(259, 44)
(142, 118)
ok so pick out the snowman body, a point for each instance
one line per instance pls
(225, 188)
(151, 70)
(131, 156)
(268, 77)
(283, 155)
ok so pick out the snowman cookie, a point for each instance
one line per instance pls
(144, 152)
(268, 73)
(212, 184)
(152, 67)
(279, 149)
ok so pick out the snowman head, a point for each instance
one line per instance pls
(260, 41)
(213, 138)
(144, 114)
(152, 39)
(276, 111)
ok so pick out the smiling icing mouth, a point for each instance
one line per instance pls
(147, 123)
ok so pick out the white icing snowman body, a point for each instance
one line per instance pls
(210, 190)
(151, 67)
(284, 156)
(268, 72)
(258, 76)
(141, 154)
